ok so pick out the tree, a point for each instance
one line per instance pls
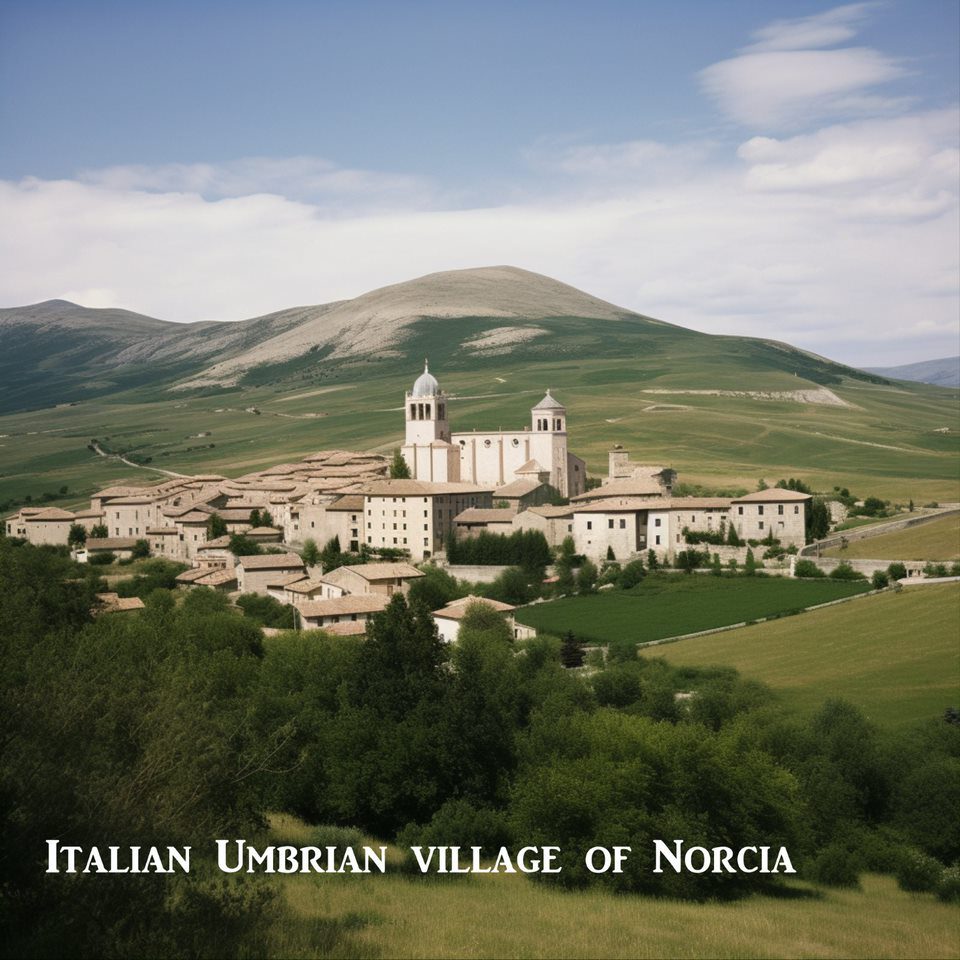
(715, 568)
(631, 574)
(216, 527)
(310, 552)
(818, 519)
(77, 536)
(897, 571)
(99, 531)
(733, 538)
(571, 653)
(141, 549)
(587, 577)
(399, 470)
(610, 554)
(254, 519)
(652, 562)
(750, 564)
(243, 546)
(331, 555)
(873, 507)
(879, 580)
(266, 518)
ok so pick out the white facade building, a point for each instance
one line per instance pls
(436, 455)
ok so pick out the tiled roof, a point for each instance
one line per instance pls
(270, 561)
(418, 488)
(111, 543)
(384, 571)
(482, 515)
(457, 610)
(773, 495)
(338, 606)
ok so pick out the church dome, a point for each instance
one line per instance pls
(549, 403)
(426, 384)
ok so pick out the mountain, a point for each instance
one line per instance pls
(57, 352)
(944, 372)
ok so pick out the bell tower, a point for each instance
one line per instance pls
(426, 411)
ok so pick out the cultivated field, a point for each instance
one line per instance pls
(895, 655)
(511, 916)
(937, 540)
(674, 604)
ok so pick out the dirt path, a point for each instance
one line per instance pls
(116, 456)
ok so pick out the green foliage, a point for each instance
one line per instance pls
(873, 507)
(948, 889)
(879, 580)
(843, 571)
(102, 558)
(715, 537)
(332, 556)
(587, 577)
(690, 560)
(514, 586)
(571, 653)
(216, 527)
(77, 535)
(733, 538)
(141, 549)
(436, 588)
(242, 546)
(267, 611)
(522, 548)
(793, 484)
(631, 574)
(836, 865)
(155, 574)
(818, 519)
(610, 554)
(919, 873)
(897, 571)
(310, 552)
(750, 564)
(99, 531)
(398, 466)
(807, 568)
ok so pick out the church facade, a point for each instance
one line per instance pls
(536, 453)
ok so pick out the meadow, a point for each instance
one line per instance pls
(886, 441)
(937, 540)
(670, 605)
(894, 655)
(511, 916)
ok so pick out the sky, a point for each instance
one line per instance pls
(781, 169)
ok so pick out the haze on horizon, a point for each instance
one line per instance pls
(791, 176)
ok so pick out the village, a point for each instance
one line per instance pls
(442, 487)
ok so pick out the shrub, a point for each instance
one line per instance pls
(897, 571)
(330, 835)
(102, 559)
(836, 866)
(141, 550)
(935, 570)
(948, 889)
(844, 571)
(919, 873)
(879, 580)
(807, 568)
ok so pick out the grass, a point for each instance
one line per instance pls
(389, 915)
(894, 655)
(937, 540)
(884, 443)
(673, 604)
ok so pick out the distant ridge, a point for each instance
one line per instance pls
(944, 372)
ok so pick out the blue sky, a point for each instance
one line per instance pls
(774, 169)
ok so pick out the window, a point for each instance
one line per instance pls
(780, 509)
(796, 509)
(516, 442)
(760, 510)
(657, 540)
(589, 524)
(760, 525)
(656, 523)
(693, 518)
(740, 511)
(623, 524)
(610, 523)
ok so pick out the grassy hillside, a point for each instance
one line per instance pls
(937, 540)
(511, 916)
(671, 605)
(894, 655)
(885, 442)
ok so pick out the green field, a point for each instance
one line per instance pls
(937, 540)
(886, 441)
(895, 655)
(674, 604)
(511, 916)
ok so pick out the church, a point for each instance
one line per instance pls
(536, 453)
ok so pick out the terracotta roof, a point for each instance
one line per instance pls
(532, 466)
(218, 543)
(549, 403)
(284, 580)
(518, 488)
(482, 515)
(338, 606)
(216, 578)
(383, 571)
(305, 586)
(188, 576)
(351, 502)
(773, 495)
(457, 610)
(116, 604)
(550, 511)
(628, 487)
(346, 628)
(111, 543)
(263, 532)
(270, 561)
(631, 504)
(418, 488)
(162, 531)
(53, 513)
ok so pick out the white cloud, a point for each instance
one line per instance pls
(819, 30)
(312, 179)
(787, 88)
